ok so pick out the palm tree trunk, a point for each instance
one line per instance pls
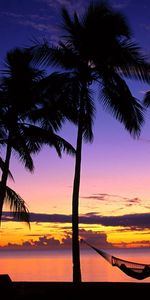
(75, 207)
(76, 188)
(4, 177)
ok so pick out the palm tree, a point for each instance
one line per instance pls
(16, 203)
(21, 94)
(96, 52)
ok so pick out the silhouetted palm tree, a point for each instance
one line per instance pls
(96, 48)
(21, 93)
(16, 92)
(16, 203)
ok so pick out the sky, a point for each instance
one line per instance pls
(115, 178)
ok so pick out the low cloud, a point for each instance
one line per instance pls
(134, 221)
(133, 244)
(42, 243)
(98, 239)
(48, 242)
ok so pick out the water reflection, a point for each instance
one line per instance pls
(57, 266)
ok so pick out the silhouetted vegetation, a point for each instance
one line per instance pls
(23, 125)
(96, 48)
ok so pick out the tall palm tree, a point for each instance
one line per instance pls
(21, 131)
(96, 52)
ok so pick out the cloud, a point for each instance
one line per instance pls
(45, 24)
(39, 218)
(133, 244)
(98, 239)
(37, 26)
(130, 220)
(144, 140)
(146, 26)
(134, 201)
(108, 198)
(22, 18)
(134, 221)
(71, 5)
(47, 242)
(80, 5)
(120, 4)
(147, 206)
(42, 243)
(36, 17)
(117, 209)
(101, 198)
(104, 196)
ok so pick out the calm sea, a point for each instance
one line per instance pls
(57, 265)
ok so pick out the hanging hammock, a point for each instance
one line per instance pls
(132, 269)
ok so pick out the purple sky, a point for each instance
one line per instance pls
(115, 164)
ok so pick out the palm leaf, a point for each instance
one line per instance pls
(100, 15)
(88, 116)
(67, 23)
(61, 56)
(131, 62)
(22, 150)
(47, 137)
(147, 99)
(17, 205)
(118, 99)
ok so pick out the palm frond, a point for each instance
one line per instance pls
(131, 61)
(61, 56)
(20, 66)
(50, 111)
(147, 99)
(60, 100)
(89, 114)
(22, 150)
(47, 137)
(62, 145)
(101, 15)
(40, 52)
(118, 99)
(72, 27)
(67, 23)
(17, 205)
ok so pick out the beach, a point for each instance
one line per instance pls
(69, 290)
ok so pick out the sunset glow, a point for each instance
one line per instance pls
(115, 177)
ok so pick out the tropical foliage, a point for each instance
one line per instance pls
(96, 51)
(24, 129)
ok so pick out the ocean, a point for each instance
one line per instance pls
(57, 265)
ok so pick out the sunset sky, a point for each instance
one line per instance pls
(115, 179)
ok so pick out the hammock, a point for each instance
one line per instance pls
(132, 269)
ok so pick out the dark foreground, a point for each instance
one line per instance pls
(68, 290)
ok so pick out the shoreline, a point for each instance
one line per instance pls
(69, 290)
